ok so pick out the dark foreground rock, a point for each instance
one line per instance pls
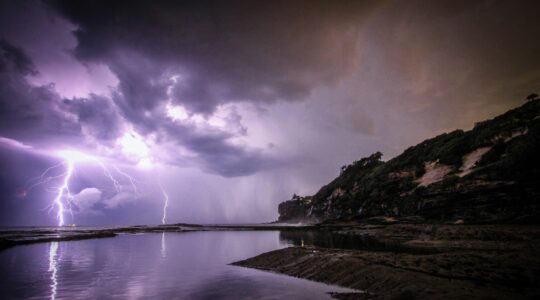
(421, 261)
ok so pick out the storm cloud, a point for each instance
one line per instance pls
(28, 113)
(201, 56)
(249, 96)
(221, 51)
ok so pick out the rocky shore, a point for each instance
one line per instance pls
(453, 217)
(415, 261)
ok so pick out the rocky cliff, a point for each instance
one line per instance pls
(488, 174)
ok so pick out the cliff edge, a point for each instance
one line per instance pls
(489, 174)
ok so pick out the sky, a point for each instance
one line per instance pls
(144, 112)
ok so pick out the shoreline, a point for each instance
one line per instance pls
(382, 261)
(32, 235)
(421, 261)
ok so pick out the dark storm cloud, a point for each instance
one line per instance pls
(424, 59)
(223, 50)
(204, 54)
(29, 113)
(375, 76)
(215, 153)
(97, 115)
(14, 60)
(222, 157)
(141, 90)
(39, 116)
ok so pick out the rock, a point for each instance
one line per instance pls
(422, 261)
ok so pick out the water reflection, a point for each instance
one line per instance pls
(191, 265)
(163, 249)
(53, 268)
(328, 239)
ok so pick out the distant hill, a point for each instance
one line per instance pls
(485, 175)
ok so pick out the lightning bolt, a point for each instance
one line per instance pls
(108, 174)
(63, 198)
(165, 202)
(63, 192)
(131, 180)
(41, 179)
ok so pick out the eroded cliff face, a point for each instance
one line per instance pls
(488, 174)
(296, 210)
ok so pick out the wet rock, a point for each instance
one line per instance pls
(424, 261)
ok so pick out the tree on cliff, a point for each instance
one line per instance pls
(532, 97)
(370, 160)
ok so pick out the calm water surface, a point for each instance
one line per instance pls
(191, 265)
